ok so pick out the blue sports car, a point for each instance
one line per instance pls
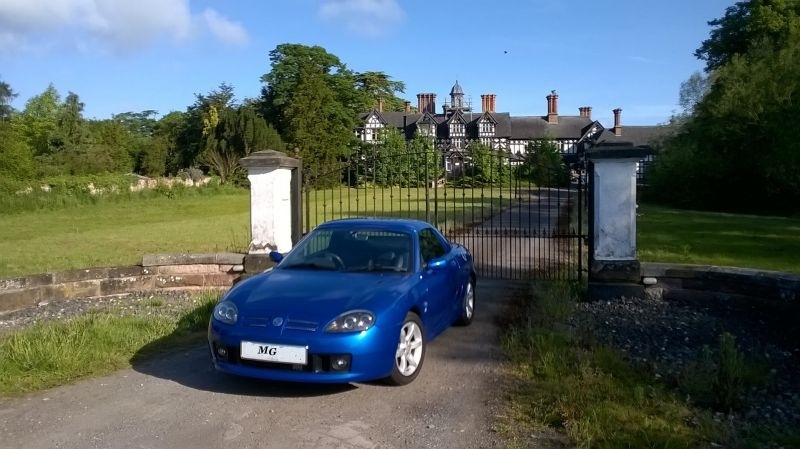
(355, 300)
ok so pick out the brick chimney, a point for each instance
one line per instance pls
(488, 102)
(617, 122)
(380, 104)
(426, 103)
(552, 108)
(407, 106)
(585, 112)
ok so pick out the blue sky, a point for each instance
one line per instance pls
(121, 56)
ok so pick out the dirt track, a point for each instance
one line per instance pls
(179, 402)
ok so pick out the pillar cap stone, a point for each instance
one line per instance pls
(621, 150)
(270, 159)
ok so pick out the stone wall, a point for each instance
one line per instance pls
(705, 282)
(156, 272)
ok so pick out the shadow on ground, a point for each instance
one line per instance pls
(191, 366)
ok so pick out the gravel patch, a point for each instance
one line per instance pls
(671, 338)
(171, 303)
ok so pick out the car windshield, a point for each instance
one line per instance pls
(361, 250)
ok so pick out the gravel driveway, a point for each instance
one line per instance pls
(180, 402)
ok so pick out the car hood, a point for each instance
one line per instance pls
(318, 293)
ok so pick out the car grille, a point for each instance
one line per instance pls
(301, 325)
(290, 324)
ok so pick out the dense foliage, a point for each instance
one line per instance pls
(735, 148)
(310, 104)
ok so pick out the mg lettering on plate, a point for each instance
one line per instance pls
(267, 350)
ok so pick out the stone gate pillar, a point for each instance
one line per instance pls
(614, 269)
(275, 218)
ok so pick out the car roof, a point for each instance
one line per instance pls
(398, 224)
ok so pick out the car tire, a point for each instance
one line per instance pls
(410, 352)
(467, 305)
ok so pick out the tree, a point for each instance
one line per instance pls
(6, 96)
(373, 85)
(386, 163)
(544, 165)
(237, 133)
(739, 151)
(16, 158)
(70, 131)
(288, 62)
(318, 127)
(171, 128)
(38, 119)
(692, 92)
(486, 166)
(747, 24)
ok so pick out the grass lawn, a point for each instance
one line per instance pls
(119, 233)
(709, 238)
(59, 352)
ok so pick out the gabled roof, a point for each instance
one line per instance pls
(537, 127)
(520, 127)
(638, 135)
(457, 115)
(374, 113)
(485, 116)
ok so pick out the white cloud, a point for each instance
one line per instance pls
(224, 29)
(365, 17)
(119, 26)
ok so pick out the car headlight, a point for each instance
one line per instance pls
(226, 312)
(353, 321)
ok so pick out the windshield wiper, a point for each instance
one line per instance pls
(311, 265)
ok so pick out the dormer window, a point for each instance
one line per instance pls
(487, 127)
(456, 128)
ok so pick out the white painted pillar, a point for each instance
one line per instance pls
(614, 270)
(272, 214)
(270, 210)
(614, 196)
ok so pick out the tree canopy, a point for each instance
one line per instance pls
(736, 148)
(309, 106)
(747, 24)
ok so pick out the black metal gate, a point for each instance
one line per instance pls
(522, 216)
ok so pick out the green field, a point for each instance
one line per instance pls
(116, 233)
(710, 238)
(119, 232)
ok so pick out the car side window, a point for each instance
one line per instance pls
(430, 247)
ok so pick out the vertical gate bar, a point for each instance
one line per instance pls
(346, 186)
(427, 195)
(307, 209)
(580, 223)
(435, 185)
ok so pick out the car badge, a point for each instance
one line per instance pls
(277, 321)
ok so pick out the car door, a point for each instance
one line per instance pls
(439, 284)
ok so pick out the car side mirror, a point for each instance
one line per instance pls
(437, 264)
(276, 256)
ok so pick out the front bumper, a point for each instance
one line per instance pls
(371, 355)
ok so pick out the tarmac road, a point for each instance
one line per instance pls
(180, 402)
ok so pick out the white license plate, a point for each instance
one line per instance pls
(268, 352)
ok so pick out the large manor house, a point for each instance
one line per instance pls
(456, 123)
